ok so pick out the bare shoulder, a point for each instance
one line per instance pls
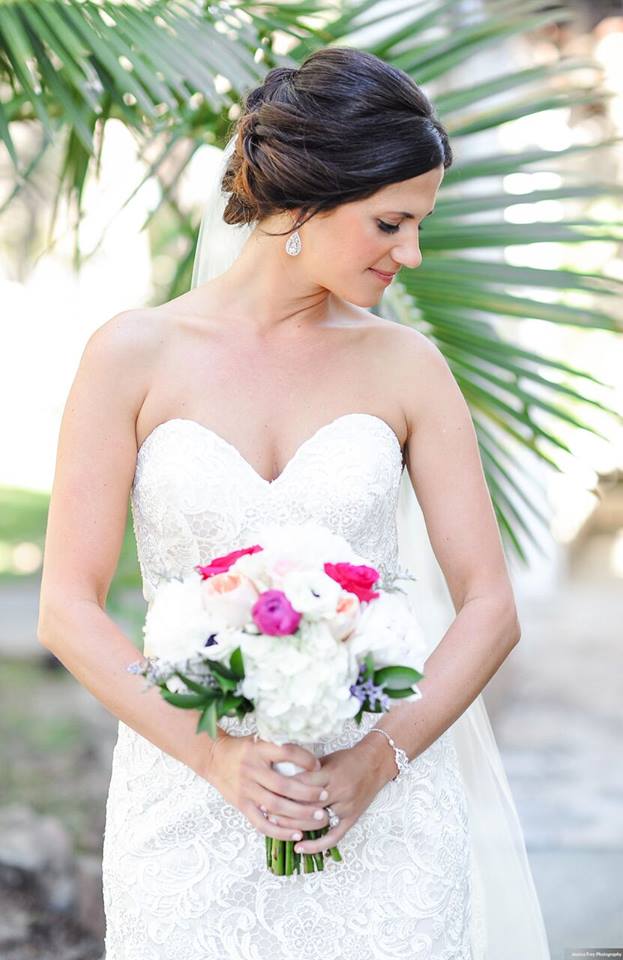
(420, 372)
(410, 345)
(130, 337)
(400, 338)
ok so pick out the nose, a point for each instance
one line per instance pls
(408, 254)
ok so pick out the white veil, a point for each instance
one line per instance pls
(507, 921)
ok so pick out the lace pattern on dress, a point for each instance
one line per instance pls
(184, 871)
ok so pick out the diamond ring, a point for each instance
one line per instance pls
(334, 820)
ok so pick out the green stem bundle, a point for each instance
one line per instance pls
(283, 860)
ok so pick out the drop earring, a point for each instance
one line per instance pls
(293, 244)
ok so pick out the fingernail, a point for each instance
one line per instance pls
(299, 848)
(324, 795)
(273, 819)
(318, 814)
(297, 836)
(263, 808)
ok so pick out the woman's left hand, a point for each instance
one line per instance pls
(352, 777)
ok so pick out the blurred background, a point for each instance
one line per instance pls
(111, 116)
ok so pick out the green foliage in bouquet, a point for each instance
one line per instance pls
(374, 686)
(212, 690)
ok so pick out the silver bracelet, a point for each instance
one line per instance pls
(401, 758)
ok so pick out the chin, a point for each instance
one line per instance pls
(361, 299)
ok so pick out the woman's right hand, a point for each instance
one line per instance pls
(241, 770)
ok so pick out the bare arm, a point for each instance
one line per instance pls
(95, 465)
(445, 468)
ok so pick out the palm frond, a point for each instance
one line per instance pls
(174, 72)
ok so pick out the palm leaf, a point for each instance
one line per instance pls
(70, 65)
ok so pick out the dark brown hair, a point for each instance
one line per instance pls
(336, 130)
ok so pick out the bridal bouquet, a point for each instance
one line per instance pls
(299, 630)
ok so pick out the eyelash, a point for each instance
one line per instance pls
(392, 227)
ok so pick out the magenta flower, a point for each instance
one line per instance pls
(274, 614)
(222, 564)
(355, 578)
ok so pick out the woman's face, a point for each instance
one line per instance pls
(344, 247)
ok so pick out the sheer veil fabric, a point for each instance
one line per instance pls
(507, 918)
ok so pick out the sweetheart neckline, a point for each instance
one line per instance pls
(270, 483)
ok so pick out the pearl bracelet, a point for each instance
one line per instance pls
(401, 758)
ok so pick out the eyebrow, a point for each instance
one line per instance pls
(410, 216)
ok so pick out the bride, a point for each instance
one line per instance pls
(269, 391)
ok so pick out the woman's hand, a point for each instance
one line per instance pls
(353, 776)
(240, 769)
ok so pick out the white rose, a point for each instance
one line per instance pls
(176, 624)
(388, 629)
(302, 546)
(253, 566)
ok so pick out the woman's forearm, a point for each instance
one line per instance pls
(471, 651)
(93, 648)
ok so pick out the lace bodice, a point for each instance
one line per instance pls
(195, 496)
(184, 872)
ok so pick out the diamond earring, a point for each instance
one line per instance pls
(293, 245)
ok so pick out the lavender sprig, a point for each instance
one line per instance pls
(367, 690)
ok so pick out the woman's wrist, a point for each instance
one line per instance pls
(207, 755)
(380, 755)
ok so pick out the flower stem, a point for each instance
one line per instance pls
(318, 857)
(277, 858)
(283, 860)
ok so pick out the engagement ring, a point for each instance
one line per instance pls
(334, 820)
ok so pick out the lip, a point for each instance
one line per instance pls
(385, 277)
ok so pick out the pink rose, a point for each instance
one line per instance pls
(274, 614)
(357, 579)
(222, 564)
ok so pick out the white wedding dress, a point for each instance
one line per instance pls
(184, 872)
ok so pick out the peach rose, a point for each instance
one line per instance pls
(228, 599)
(346, 616)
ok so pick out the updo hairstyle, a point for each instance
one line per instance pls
(336, 130)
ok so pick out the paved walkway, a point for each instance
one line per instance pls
(558, 718)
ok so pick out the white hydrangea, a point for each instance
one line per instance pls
(388, 629)
(300, 684)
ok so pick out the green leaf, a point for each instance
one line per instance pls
(236, 664)
(207, 721)
(188, 701)
(228, 705)
(226, 683)
(194, 686)
(398, 694)
(220, 670)
(396, 678)
(369, 666)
